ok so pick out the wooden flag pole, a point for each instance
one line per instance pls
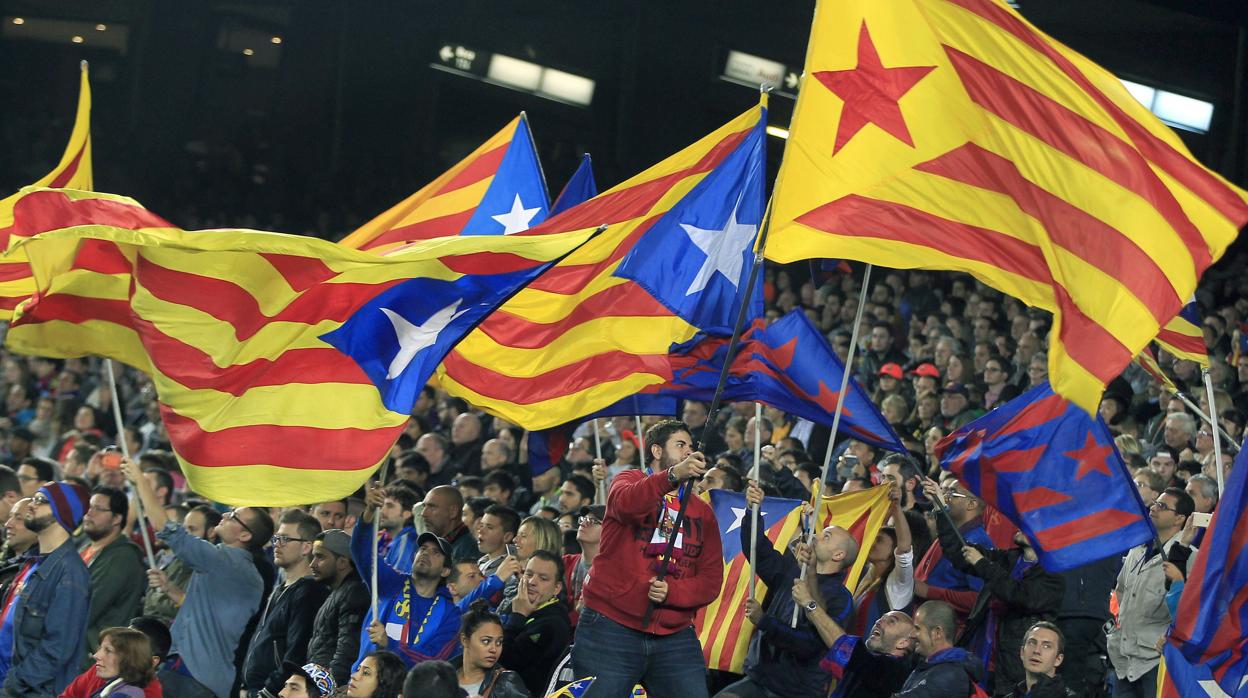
(754, 510)
(125, 452)
(821, 483)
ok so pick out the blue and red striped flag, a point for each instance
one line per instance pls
(1210, 633)
(1052, 470)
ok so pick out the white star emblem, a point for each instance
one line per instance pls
(1215, 691)
(414, 338)
(517, 219)
(723, 250)
(738, 515)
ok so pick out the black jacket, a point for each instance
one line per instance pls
(1035, 596)
(1088, 588)
(533, 645)
(498, 682)
(282, 634)
(335, 639)
(947, 674)
(1045, 687)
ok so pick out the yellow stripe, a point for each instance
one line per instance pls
(1068, 377)
(447, 204)
(355, 406)
(271, 486)
(59, 339)
(632, 335)
(547, 414)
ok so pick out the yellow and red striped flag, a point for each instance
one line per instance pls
(722, 626)
(584, 335)
(1184, 337)
(72, 172)
(499, 189)
(286, 366)
(952, 134)
(1148, 361)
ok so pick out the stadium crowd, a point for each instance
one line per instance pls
(500, 578)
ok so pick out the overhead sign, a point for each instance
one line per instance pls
(754, 71)
(464, 59)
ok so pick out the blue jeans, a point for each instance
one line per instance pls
(668, 666)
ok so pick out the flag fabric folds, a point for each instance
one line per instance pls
(953, 134)
(72, 172)
(788, 365)
(498, 189)
(1054, 471)
(576, 689)
(1183, 336)
(1211, 626)
(598, 326)
(580, 188)
(722, 626)
(286, 366)
(1147, 360)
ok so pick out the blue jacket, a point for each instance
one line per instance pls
(50, 624)
(947, 674)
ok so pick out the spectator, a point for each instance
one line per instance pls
(498, 529)
(936, 577)
(397, 542)
(946, 671)
(466, 444)
(118, 572)
(546, 488)
(499, 486)
(537, 632)
(1142, 614)
(535, 533)
(577, 491)
(402, 598)
(10, 491)
(890, 570)
(225, 588)
(902, 472)
(465, 576)
(168, 682)
(1042, 652)
(49, 598)
(123, 667)
(164, 601)
(955, 407)
(333, 514)
(287, 624)
(32, 473)
(443, 516)
(434, 448)
(380, 675)
(335, 641)
(474, 509)
(781, 659)
(1150, 483)
(877, 665)
(17, 541)
(1164, 464)
(434, 679)
(478, 669)
(635, 628)
(695, 414)
(577, 565)
(306, 681)
(999, 390)
(1081, 619)
(1178, 432)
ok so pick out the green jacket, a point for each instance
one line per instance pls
(157, 603)
(118, 580)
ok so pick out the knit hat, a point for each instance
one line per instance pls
(69, 502)
(320, 681)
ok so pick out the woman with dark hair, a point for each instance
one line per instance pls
(123, 668)
(379, 675)
(481, 636)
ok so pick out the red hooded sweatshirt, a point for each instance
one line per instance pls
(620, 579)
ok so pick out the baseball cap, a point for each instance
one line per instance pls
(445, 547)
(927, 370)
(319, 679)
(892, 370)
(596, 511)
(955, 388)
(336, 541)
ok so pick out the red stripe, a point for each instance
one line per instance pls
(1090, 144)
(230, 303)
(101, 256)
(195, 370)
(1037, 498)
(624, 300)
(1097, 243)
(489, 263)
(77, 309)
(1178, 165)
(301, 273)
(570, 279)
(299, 448)
(1084, 528)
(727, 609)
(443, 226)
(556, 383)
(12, 271)
(10, 302)
(70, 169)
(49, 210)
(1037, 413)
(1092, 346)
(484, 165)
(1183, 342)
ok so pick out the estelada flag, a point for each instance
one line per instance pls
(72, 172)
(286, 366)
(952, 134)
(722, 626)
(499, 189)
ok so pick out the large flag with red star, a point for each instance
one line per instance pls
(1054, 471)
(952, 134)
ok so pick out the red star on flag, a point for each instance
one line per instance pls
(1091, 457)
(870, 92)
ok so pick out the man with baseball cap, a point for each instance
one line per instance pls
(46, 605)
(416, 617)
(335, 639)
(307, 681)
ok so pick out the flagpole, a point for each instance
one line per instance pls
(817, 493)
(755, 267)
(758, 449)
(1213, 420)
(641, 441)
(602, 484)
(125, 452)
(381, 480)
(1196, 408)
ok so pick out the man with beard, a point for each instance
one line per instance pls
(47, 605)
(397, 542)
(118, 575)
(417, 618)
(335, 639)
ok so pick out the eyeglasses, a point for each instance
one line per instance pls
(40, 499)
(283, 540)
(233, 514)
(99, 510)
(588, 521)
(1161, 505)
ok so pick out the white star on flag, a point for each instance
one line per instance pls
(518, 218)
(724, 251)
(738, 515)
(414, 338)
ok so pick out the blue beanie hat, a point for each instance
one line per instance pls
(69, 502)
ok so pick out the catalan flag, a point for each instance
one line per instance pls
(598, 326)
(1147, 360)
(1183, 337)
(498, 189)
(576, 689)
(952, 134)
(74, 172)
(286, 366)
(722, 626)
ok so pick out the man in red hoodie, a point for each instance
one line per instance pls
(612, 643)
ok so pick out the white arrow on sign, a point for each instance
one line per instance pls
(790, 80)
